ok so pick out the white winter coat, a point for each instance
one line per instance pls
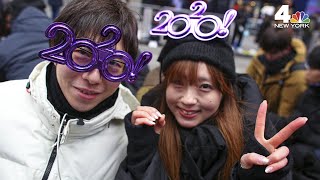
(29, 126)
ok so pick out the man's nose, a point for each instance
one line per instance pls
(94, 76)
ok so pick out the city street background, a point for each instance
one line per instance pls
(242, 59)
(145, 14)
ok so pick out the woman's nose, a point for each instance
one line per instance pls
(189, 97)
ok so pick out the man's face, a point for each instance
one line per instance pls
(274, 55)
(85, 90)
(312, 76)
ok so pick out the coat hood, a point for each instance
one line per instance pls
(30, 19)
(124, 104)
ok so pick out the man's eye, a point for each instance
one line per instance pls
(116, 63)
(84, 52)
(82, 56)
(116, 67)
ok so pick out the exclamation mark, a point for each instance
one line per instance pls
(228, 18)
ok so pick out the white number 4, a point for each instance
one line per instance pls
(283, 14)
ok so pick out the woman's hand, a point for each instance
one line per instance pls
(149, 116)
(278, 156)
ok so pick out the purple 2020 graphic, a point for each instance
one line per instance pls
(102, 53)
(193, 23)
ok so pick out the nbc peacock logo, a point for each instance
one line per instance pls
(299, 19)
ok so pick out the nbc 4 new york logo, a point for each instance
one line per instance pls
(296, 20)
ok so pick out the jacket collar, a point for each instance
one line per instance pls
(124, 104)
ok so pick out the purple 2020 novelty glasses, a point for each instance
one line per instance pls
(83, 55)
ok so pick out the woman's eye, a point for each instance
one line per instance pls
(177, 82)
(205, 86)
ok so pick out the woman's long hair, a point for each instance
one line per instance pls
(228, 119)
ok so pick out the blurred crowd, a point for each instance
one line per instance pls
(253, 17)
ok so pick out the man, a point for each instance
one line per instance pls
(279, 71)
(64, 124)
(305, 146)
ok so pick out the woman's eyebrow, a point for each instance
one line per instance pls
(203, 78)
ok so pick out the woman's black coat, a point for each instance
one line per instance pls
(143, 161)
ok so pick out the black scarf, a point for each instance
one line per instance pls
(275, 66)
(60, 103)
(204, 152)
(315, 86)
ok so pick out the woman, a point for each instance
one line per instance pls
(201, 132)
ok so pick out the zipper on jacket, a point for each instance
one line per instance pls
(53, 155)
(51, 161)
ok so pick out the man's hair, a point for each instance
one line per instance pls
(88, 17)
(274, 40)
(314, 58)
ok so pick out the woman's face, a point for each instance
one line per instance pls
(193, 104)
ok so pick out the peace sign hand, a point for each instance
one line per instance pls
(278, 156)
